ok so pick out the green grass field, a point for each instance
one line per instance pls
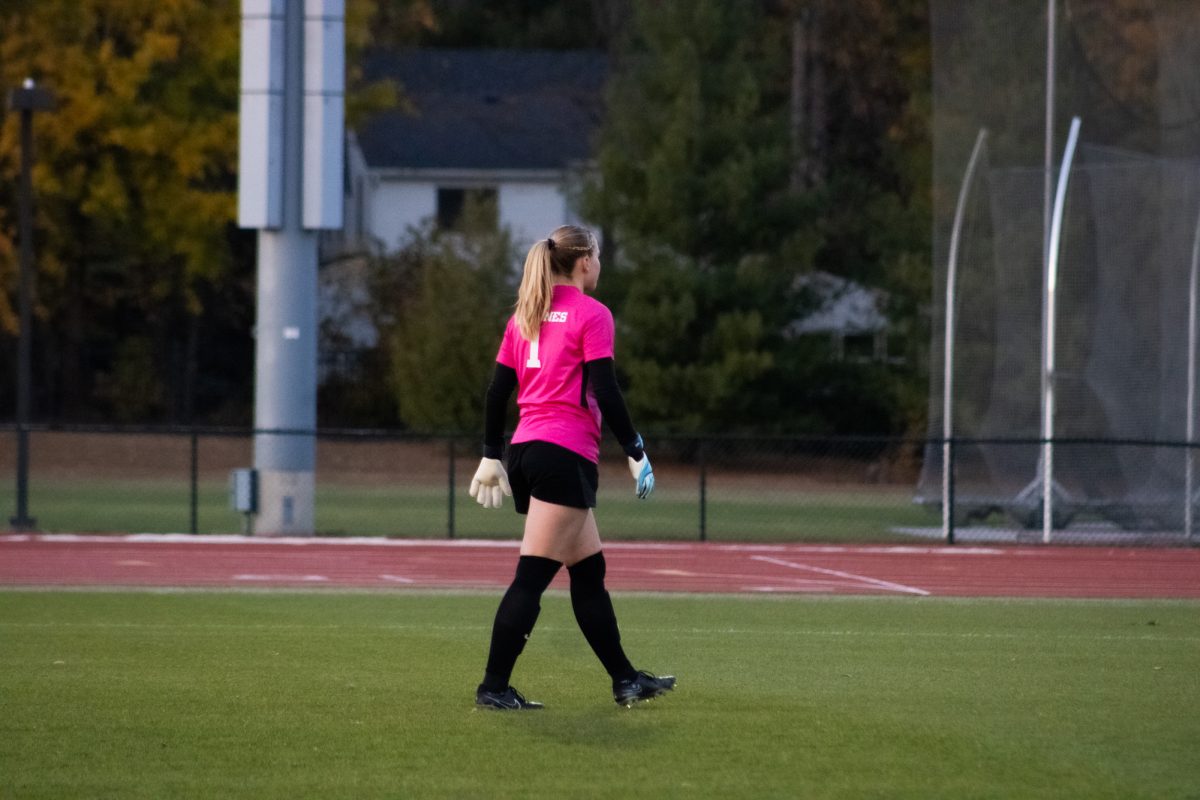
(422, 511)
(364, 695)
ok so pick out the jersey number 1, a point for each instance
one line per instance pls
(533, 362)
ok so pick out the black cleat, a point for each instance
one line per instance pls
(508, 700)
(642, 686)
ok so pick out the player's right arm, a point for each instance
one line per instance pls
(490, 483)
(504, 380)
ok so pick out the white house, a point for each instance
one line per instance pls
(508, 125)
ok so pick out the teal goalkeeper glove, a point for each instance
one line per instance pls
(490, 483)
(640, 469)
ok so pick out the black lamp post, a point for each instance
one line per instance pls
(25, 100)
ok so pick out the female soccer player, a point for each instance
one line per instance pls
(558, 349)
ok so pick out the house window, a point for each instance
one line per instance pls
(457, 207)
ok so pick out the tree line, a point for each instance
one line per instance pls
(744, 146)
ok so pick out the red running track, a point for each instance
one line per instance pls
(958, 571)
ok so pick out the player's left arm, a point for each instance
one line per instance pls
(603, 376)
(599, 334)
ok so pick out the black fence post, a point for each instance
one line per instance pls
(700, 455)
(950, 491)
(22, 521)
(194, 476)
(450, 491)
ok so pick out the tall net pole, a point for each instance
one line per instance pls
(1190, 463)
(948, 361)
(1047, 205)
(1048, 182)
(1056, 222)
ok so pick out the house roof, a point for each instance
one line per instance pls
(842, 306)
(486, 109)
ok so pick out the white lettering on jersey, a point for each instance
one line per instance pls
(553, 316)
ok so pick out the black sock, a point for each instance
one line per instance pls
(594, 613)
(515, 617)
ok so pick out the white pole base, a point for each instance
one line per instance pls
(285, 503)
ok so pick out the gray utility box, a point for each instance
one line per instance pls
(243, 490)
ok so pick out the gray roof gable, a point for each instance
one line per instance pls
(486, 109)
(843, 306)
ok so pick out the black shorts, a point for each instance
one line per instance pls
(552, 474)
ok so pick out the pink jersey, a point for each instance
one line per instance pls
(555, 405)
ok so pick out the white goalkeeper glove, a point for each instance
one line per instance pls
(490, 483)
(640, 469)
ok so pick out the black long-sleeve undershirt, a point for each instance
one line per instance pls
(602, 375)
(504, 380)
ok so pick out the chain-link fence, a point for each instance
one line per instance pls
(380, 483)
(716, 488)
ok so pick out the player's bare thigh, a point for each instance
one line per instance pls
(562, 533)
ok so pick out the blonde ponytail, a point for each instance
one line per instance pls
(536, 292)
(548, 257)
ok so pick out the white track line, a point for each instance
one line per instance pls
(895, 587)
(259, 541)
(730, 576)
(382, 541)
(667, 632)
(277, 578)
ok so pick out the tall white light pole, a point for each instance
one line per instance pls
(289, 188)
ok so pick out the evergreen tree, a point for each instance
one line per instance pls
(692, 185)
(442, 302)
(745, 145)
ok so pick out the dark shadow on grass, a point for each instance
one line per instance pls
(608, 728)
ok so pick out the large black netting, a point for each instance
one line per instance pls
(1130, 70)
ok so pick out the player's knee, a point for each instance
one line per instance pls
(521, 603)
(589, 572)
(534, 574)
